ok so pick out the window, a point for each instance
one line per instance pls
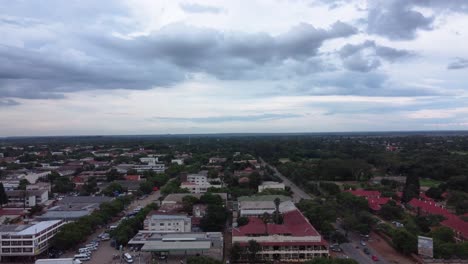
(161, 224)
(5, 243)
(27, 249)
(16, 250)
(27, 243)
(6, 250)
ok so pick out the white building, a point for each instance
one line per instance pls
(158, 168)
(168, 223)
(28, 198)
(271, 185)
(27, 240)
(10, 185)
(149, 160)
(32, 177)
(178, 161)
(199, 178)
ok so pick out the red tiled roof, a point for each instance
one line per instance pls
(294, 224)
(376, 203)
(373, 198)
(321, 243)
(365, 193)
(188, 183)
(452, 220)
(12, 212)
(132, 177)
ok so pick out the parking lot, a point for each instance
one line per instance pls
(105, 254)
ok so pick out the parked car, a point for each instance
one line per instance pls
(363, 243)
(375, 258)
(366, 250)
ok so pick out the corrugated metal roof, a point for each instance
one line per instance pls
(176, 245)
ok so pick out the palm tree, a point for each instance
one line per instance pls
(266, 218)
(277, 202)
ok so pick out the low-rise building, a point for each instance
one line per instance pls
(180, 244)
(271, 185)
(216, 160)
(27, 240)
(251, 206)
(168, 223)
(178, 161)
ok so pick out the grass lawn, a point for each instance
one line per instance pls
(429, 182)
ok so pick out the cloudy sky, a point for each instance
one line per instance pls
(86, 67)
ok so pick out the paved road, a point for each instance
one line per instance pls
(354, 249)
(298, 193)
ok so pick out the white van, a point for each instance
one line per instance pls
(128, 258)
(82, 257)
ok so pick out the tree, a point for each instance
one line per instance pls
(113, 175)
(63, 185)
(411, 189)
(404, 241)
(188, 202)
(51, 177)
(236, 251)
(391, 211)
(331, 261)
(22, 184)
(146, 187)
(3, 195)
(241, 221)
(112, 189)
(253, 248)
(202, 260)
(443, 234)
(276, 215)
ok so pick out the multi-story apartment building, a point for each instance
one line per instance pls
(27, 240)
(28, 198)
(199, 182)
(168, 223)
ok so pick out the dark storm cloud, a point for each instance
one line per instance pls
(458, 63)
(226, 55)
(35, 75)
(223, 119)
(368, 56)
(8, 102)
(166, 57)
(197, 8)
(400, 19)
(396, 19)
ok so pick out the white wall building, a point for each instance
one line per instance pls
(149, 160)
(178, 161)
(28, 198)
(199, 178)
(168, 223)
(271, 185)
(27, 240)
(198, 188)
